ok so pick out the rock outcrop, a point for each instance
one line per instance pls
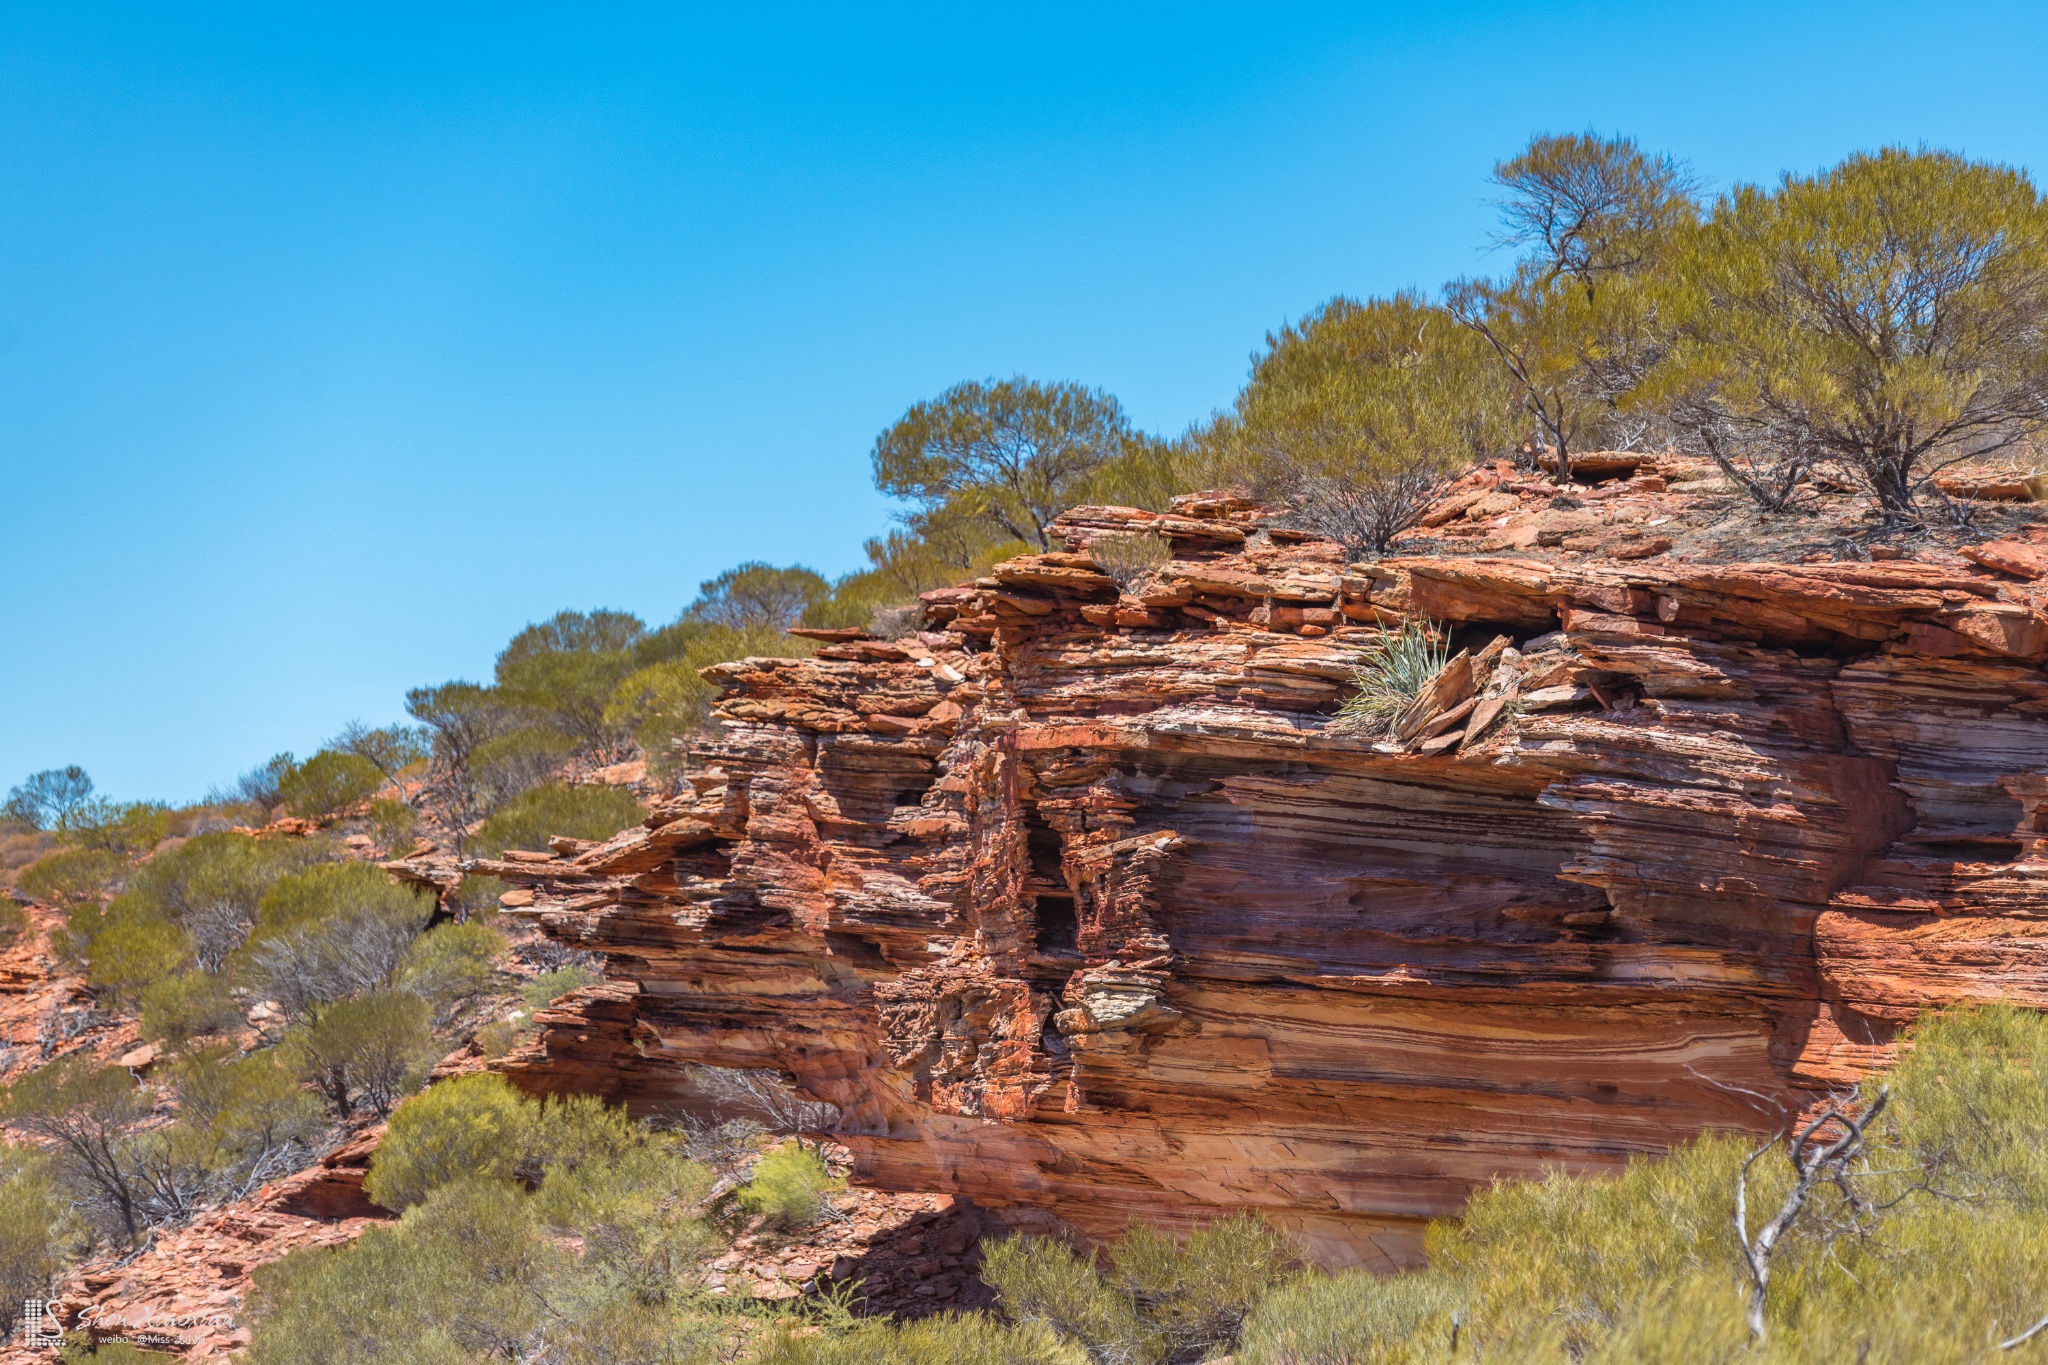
(1082, 903)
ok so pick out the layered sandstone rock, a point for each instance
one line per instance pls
(1081, 904)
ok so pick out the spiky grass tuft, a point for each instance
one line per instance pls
(1392, 671)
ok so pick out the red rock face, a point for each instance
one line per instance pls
(1082, 904)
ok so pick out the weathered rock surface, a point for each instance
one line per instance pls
(1081, 903)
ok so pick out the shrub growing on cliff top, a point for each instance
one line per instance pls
(1358, 416)
(328, 782)
(578, 812)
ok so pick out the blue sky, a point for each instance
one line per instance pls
(338, 343)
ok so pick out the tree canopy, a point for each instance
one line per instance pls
(1012, 453)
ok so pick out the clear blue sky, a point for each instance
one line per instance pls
(338, 343)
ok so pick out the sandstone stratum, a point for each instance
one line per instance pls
(1080, 903)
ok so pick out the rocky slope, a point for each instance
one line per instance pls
(1078, 904)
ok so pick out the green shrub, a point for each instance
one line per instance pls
(497, 1038)
(124, 827)
(72, 874)
(549, 987)
(14, 922)
(480, 1123)
(966, 1339)
(331, 932)
(473, 1271)
(462, 1277)
(250, 1112)
(373, 1050)
(479, 895)
(469, 1125)
(1158, 1299)
(212, 885)
(392, 824)
(33, 1227)
(510, 765)
(134, 947)
(188, 1005)
(450, 966)
(328, 782)
(578, 812)
(789, 1186)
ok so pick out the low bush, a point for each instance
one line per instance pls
(188, 1005)
(213, 884)
(1156, 1300)
(1129, 556)
(328, 782)
(134, 947)
(371, 1051)
(578, 812)
(968, 1339)
(71, 875)
(469, 1125)
(479, 1124)
(789, 1186)
(14, 922)
(331, 932)
(34, 1223)
(450, 966)
(549, 987)
(478, 1269)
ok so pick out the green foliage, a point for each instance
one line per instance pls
(1157, 1299)
(758, 597)
(1883, 316)
(508, 766)
(212, 885)
(251, 1110)
(34, 1228)
(669, 701)
(563, 671)
(469, 1125)
(962, 1339)
(46, 798)
(71, 875)
(370, 1051)
(1010, 454)
(1392, 671)
(14, 922)
(1355, 1319)
(479, 1124)
(788, 1186)
(1576, 325)
(392, 824)
(127, 828)
(186, 1005)
(1357, 416)
(574, 812)
(330, 932)
(1939, 1266)
(549, 987)
(81, 1113)
(472, 1271)
(328, 782)
(450, 966)
(393, 749)
(133, 947)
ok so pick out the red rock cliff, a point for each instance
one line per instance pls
(1080, 902)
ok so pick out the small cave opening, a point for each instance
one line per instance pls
(1059, 924)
